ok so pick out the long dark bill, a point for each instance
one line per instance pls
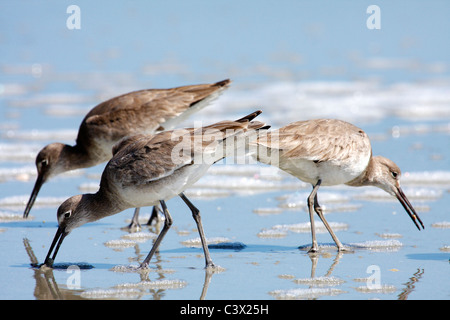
(409, 208)
(57, 240)
(34, 193)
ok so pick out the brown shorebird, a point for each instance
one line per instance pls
(327, 152)
(147, 170)
(139, 112)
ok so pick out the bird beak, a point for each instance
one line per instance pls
(57, 240)
(408, 207)
(34, 193)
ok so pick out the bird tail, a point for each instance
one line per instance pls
(212, 143)
(205, 94)
(233, 138)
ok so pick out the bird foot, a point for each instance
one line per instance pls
(314, 249)
(213, 268)
(345, 249)
(133, 227)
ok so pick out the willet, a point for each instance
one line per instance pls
(327, 152)
(139, 112)
(147, 170)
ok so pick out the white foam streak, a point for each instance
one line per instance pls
(18, 152)
(41, 135)
(11, 217)
(156, 284)
(197, 242)
(385, 288)
(123, 293)
(354, 101)
(305, 227)
(412, 194)
(441, 225)
(311, 293)
(426, 178)
(20, 201)
(320, 281)
(378, 245)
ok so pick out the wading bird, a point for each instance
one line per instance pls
(147, 170)
(139, 112)
(327, 152)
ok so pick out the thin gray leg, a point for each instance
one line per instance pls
(135, 220)
(319, 212)
(154, 216)
(314, 246)
(198, 220)
(167, 223)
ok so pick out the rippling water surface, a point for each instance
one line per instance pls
(294, 61)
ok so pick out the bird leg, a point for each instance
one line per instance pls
(154, 216)
(310, 201)
(198, 221)
(319, 212)
(135, 225)
(167, 223)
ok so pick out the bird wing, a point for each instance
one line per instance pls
(143, 158)
(143, 111)
(316, 140)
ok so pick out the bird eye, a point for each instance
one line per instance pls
(67, 214)
(394, 174)
(44, 162)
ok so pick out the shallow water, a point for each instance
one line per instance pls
(391, 84)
